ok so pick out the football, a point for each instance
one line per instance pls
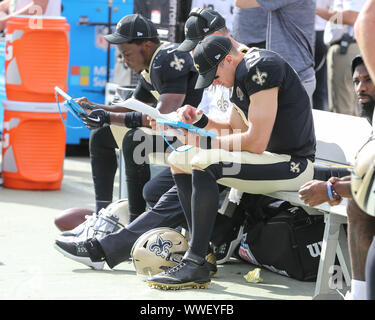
(70, 218)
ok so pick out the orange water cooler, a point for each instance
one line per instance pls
(33, 146)
(33, 139)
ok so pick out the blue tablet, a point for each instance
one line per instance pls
(190, 127)
(71, 105)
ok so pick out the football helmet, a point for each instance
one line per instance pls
(157, 250)
(362, 179)
(119, 208)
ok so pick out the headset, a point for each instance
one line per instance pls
(211, 19)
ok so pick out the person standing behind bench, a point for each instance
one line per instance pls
(290, 33)
(342, 48)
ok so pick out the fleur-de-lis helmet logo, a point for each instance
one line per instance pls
(160, 247)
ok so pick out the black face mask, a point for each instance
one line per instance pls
(366, 110)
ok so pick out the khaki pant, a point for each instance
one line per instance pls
(238, 172)
(341, 95)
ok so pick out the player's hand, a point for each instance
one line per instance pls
(315, 192)
(96, 119)
(189, 114)
(152, 123)
(86, 104)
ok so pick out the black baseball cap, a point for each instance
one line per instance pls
(132, 27)
(207, 56)
(357, 60)
(201, 22)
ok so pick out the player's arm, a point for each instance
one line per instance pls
(261, 119)
(194, 116)
(170, 102)
(167, 102)
(255, 139)
(226, 127)
(364, 32)
(342, 17)
(244, 4)
(4, 6)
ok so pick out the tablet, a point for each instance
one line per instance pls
(190, 127)
(70, 104)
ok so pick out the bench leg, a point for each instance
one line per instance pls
(123, 191)
(323, 288)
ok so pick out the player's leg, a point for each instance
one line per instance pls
(103, 164)
(247, 172)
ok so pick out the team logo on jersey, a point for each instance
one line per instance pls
(260, 77)
(294, 167)
(177, 63)
(160, 247)
(239, 93)
(222, 104)
(196, 65)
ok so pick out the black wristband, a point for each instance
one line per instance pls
(133, 119)
(202, 122)
(205, 142)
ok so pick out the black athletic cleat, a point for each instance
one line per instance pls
(78, 251)
(185, 274)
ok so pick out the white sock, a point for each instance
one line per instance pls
(358, 289)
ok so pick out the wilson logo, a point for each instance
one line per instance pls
(314, 249)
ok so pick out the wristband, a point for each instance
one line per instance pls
(205, 142)
(202, 122)
(332, 193)
(133, 119)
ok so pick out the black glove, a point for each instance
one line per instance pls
(96, 119)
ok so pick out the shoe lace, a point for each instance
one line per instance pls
(90, 222)
(176, 268)
(106, 224)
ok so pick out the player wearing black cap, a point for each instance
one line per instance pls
(167, 80)
(268, 144)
